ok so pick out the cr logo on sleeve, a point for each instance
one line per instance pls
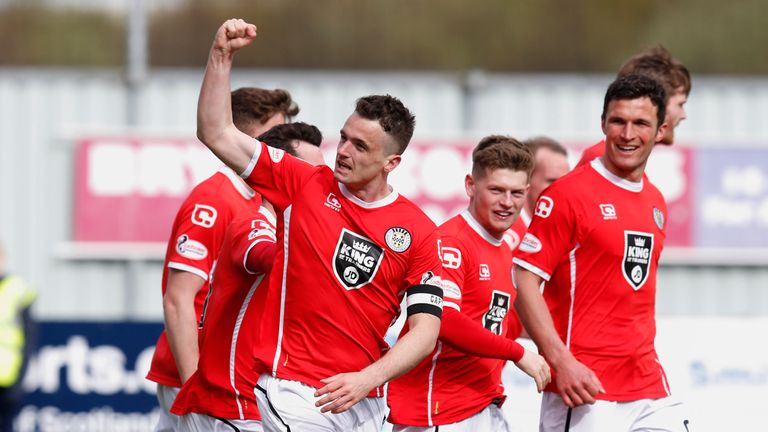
(204, 215)
(544, 206)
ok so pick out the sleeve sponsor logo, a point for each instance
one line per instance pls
(497, 311)
(356, 260)
(398, 239)
(204, 215)
(261, 228)
(451, 290)
(638, 252)
(512, 239)
(191, 249)
(608, 211)
(451, 257)
(530, 243)
(658, 218)
(544, 206)
(275, 154)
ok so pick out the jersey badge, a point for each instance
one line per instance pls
(204, 215)
(485, 272)
(530, 243)
(608, 211)
(658, 217)
(544, 206)
(398, 239)
(451, 257)
(638, 250)
(493, 319)
(276, 154)
(191, 249)
(512, 239)
(356, 260)
(332, 202)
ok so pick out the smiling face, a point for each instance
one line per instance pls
(364, 156)
(496, 198)
(631, 129)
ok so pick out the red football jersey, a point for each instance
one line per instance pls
(224, 381)
(596, 239)
(196, 238)
(592, 152)
(449, 385)
(342, 267)
(515, 233)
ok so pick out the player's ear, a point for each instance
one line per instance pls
(469, 185)
(392, 162)
(661, 131)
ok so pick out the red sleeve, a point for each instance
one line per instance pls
(552, 233)
(277, 175)
(468, 336)
(423, 286)
(198, 233)
(455, 264)
(254, 242)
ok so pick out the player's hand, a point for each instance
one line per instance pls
(344, 390)
(233, 35)
(536, 367)
(576, 383)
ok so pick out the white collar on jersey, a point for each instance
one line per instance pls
(525, 217)
(389, 199)
(475, 225)
(238, 183)
(631, 186)
(268, 214)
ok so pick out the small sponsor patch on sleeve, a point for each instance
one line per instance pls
(530, 244)
(426, 298)
(191, 249)
(276, 154)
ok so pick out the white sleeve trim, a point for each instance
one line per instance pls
(255, 158)
(188, 268)
(451, 304)
(532, 268)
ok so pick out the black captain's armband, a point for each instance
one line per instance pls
(425, 298)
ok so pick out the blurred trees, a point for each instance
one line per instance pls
(497, 35)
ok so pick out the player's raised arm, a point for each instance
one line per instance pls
(214, 109)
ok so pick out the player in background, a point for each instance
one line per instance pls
(195, 240)
(220, 394)
(459, 387)
(596, 237)
(349, 249)
(658, 64)
(550, 163)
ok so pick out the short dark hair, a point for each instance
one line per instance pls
(392, 115)
(252, 104)
(539, 142)
(501, 152)
(281, 136)
(658, 63)
(635, 87)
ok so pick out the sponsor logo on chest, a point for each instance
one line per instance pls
(332, 202)
(356, 259)
(638, 252)
(494, 318)
(485, 272)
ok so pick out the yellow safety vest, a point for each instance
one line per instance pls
(15, 296)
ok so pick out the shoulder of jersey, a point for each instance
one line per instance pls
(416, 215)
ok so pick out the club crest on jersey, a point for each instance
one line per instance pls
(638, 251)
(189, 248)
(356, 260)
(398, 239)
(493, 319)
(658, 217)
(544, 206)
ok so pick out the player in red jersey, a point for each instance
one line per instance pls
(220, 392)
(194, 244)
(459, 386)
(596, 237)
(658, 64)
(349, 249)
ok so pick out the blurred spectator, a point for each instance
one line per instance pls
(16, 341)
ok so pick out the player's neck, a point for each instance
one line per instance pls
(370, 192)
